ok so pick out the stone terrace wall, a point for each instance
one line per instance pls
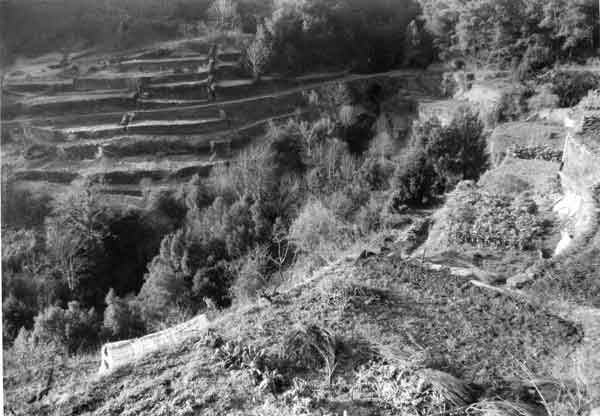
(580, 177)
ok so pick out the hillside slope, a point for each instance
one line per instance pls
(365, 317)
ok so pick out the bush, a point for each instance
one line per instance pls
(439, 157)
(253, 275)
(542, 99)
(313, 347)
(414, 178)
(333, 168)
(16, 315)
(512, 105)
(122, 319)
(166, 207)
(213, 283)
(18, 247)
(375, 173)
(21, 208)
(317, 233)
(485, 220)
(245, 177)
(535, 59)
(570, 86)
(345, 203)
(591, 102)
(370, 218)
(412, 390)
(74, 327)
(238, 228)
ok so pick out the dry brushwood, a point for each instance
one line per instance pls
(313, 347)
(415, 391)
(504, 408)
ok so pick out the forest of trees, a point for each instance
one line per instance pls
(497, 31)
(80, 273)
(368, 35)
(76, 272)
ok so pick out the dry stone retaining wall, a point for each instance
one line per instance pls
(580, 177)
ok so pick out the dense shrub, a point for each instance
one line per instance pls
(122, 318)
(24, 293)
(375, 173)
(439, 157)
(371, 217)
(414, 178)
(18, 248)
(571, 86)
(346, 203)
(484, 220)
(74, 327)
(317, 233)
(21, 208)
(167, 208)
(333, 168)
(15, 315)
(253, 275)
(238, 228)
(213, 283)
(96, 248)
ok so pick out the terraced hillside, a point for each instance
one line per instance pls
(64, 125)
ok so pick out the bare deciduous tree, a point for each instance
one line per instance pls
(225, 14)
(258, 51)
